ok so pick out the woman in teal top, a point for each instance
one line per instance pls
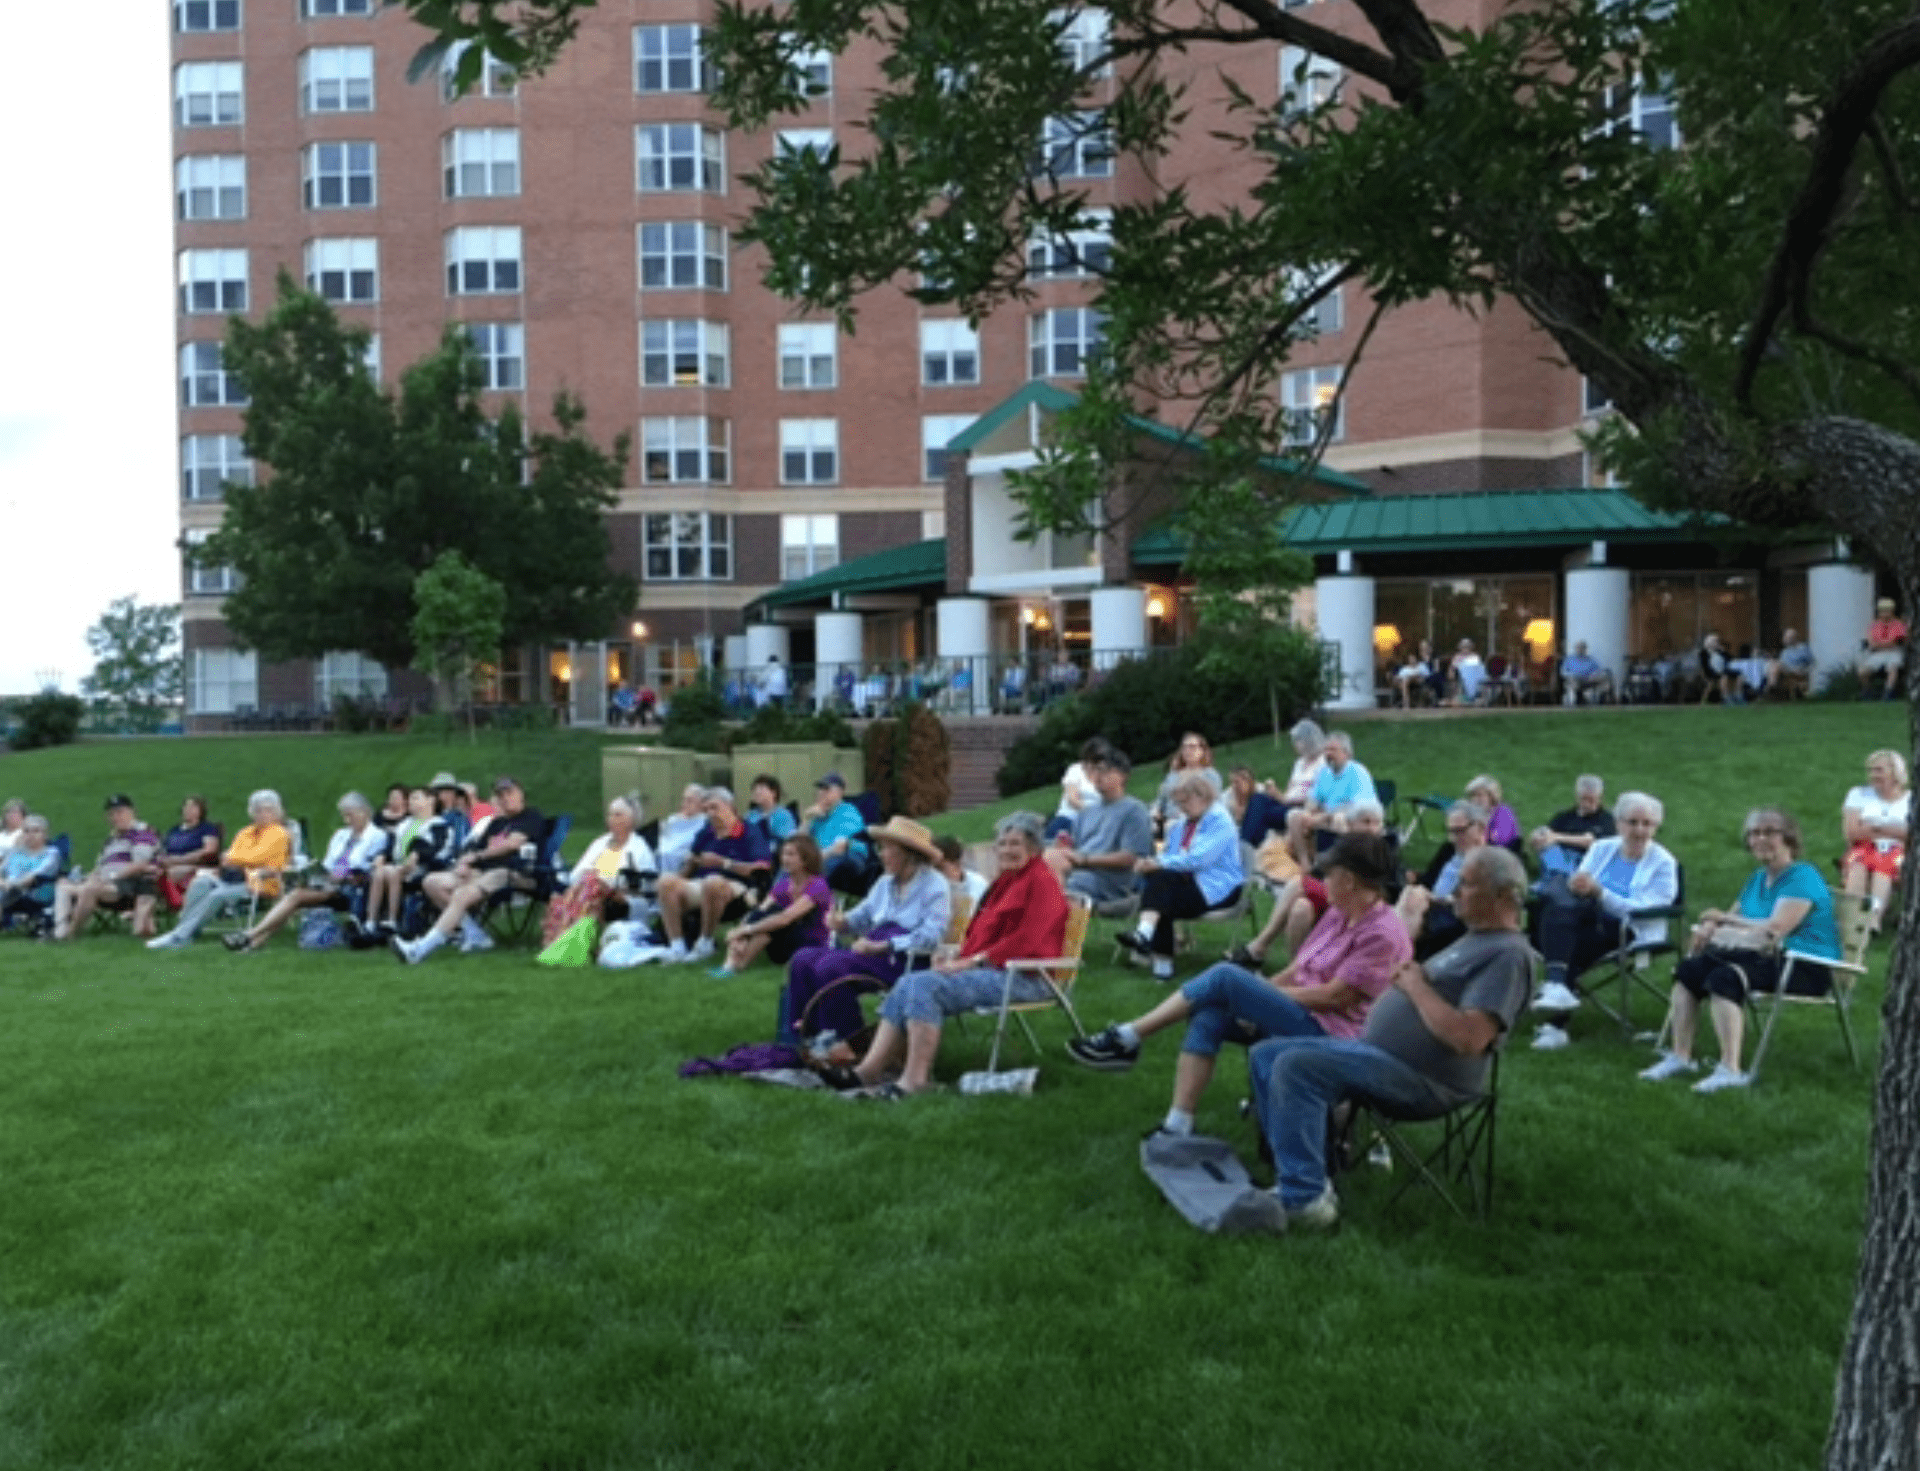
(1784, 906)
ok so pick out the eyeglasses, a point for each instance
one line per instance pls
(1765, 832)
(1462, 828)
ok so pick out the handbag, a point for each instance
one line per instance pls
(1741, 937)
(320, 930)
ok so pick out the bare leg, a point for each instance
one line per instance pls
(290, 903)
(1686, 1015)
(458, 903)
(1881, 889)
(715, 896)
(1190, 1078)
(1300, 922)
(923, 1044)
(1730, 1025)
(142, 922)
(887, 1042)
(743, 950)
(675, 891)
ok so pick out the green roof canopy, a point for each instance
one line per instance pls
(914, 565)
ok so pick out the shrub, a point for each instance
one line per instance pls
(695, 715)
(909, 763)
(46, 719)
(772, 726)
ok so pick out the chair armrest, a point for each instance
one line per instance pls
(1063, 963)
(1846, 965)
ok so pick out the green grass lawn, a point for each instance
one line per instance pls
(304, 1210)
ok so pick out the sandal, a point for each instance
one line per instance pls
(886, 1093)
(1242, 955)
(236, 941)
(841, 1078)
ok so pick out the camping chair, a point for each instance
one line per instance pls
(1628, 967)
(958, 918)
(1458, 1165)
(510, 910)
(33, 915)
(1434, 802)
(1851, 913)
(1242, 905)
(1059, 972)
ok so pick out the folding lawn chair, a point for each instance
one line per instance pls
(1852, 914)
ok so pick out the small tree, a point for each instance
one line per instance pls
(459, 613)
(137, 649)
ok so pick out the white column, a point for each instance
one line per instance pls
(1345, 609)
(964, 641)
(763, 640)
(838, 641)
(1119, 625)
(1839, 608)
(733, 652)
(1597, 605)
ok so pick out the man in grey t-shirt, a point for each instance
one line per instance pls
(1097, 860)
(1427, 1046)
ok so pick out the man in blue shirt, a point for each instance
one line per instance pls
(717, 883)
(841, 832)
(1582, 675)
(1342, 782)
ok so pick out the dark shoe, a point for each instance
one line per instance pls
(841, 1078)
(236, 941)
(1243, 956)
(1134, 941)
(1103, 1051)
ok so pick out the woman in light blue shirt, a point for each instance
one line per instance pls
(1198, 869)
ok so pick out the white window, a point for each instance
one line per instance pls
(809, 354)
(815, 66)
(337, 175)
(502, 347)
(221, 681)
(808, 544)
(480, 163)
(1075, 146)
(204, 380)
(1328, 314)
(1307, 81)
(211, 186)
(208, 462)
(206, 15)
(208, 580)
(949, 353)
(344, 270)
(1309, 395)
(1083, 40)
(336, 79)
(804, 140)
(809, 451)
(316, 9)
(370, 356)
(495, 79)
(936, 431)
(1084, 250)
(683, 451)
(683, 255)
(688, 546)
(668, 59)
(1058, 342)
(685, 353)
(679, 156)
(207, 94)
(213, 281)
(483, 260)
(353, 675)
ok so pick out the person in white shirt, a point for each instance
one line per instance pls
(1875, 819)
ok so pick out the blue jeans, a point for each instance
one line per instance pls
(1225, 995)
(1298, 1081)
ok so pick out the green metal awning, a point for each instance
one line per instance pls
(915, 565)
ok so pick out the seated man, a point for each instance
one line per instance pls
(1426, 905)
(837, 826)
(1342, 782)
(1096, 858)
(1791, 671)
(1468, 674)
(1886, 651)
(1564, 841)
(496, 855)
(1582, 676)
(127, 873)
(1717, 670)
(1425, 1049)
(718, 880)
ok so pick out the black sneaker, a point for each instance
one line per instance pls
(1103, 1051)
(1133, 940)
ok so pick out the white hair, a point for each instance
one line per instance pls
(265, 797)
(1588, 786)
(1631, 802)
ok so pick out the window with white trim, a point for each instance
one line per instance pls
(936, 432)
(683, 451)
(205, 382)
(502, 348)
(337, 175)
(809, 355)
(1083, 39)
(685, 352)
(804, 140)
(949, 352)
(1328, 314)
(221, 681)
(1059, 341)
(496, 78)
(668, 59)
(1308, 81)
(687, 546)
(210, 186)
(320, 9)
(480, 163)
(1084, 250)
(1646, 110)
(190, 16)
(213, 281)
(208, 462)
(809, 451)
(672, 156)
(370, 356)
(815, 65)
(808, 544)
(351, 674)
(209, 579)
(208, 94)
(682, 254)
(1309, 395)
(344, 270)
(1075, 145)
(483, 260)
(336, 79)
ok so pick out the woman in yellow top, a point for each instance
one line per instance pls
(252, 865)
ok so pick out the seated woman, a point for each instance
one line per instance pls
(793, 916)
(344, 873)
(1256, 812)
(1503, 828)
(614, 872)
(1585, 918)
(1023, 917)
(1309, 755)
(1875, 819)
(1414, 679)
(1426, 904)
(679, 829)
(1345, 964)
(422, 844)
(28, 870)
(1301, 901)
(1195, 757)
(1198, 870)
(906, 910)
(13, 822)
(189, 846)
(1784, 904)
(395, 809)
(252, 864)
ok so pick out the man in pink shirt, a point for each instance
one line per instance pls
(1886, 651)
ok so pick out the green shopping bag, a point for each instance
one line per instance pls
(575, 945)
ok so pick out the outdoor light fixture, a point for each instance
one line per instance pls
(1156, 607)
(1386, 637)
(1539, 637)
(639, 629)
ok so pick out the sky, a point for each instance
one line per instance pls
(89, 496)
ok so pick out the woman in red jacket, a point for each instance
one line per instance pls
(1023, 916)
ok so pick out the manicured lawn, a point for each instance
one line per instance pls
(324, 1210)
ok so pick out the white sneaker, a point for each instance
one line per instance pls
(1720, 1078)
(171, 940)
(676, 953)
(1557, 996)
(1322, 1214)
(702, 948)
(1162, 970)
(1549, 1038)
(476, 943)
(408, 950)
(1670, 1065)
